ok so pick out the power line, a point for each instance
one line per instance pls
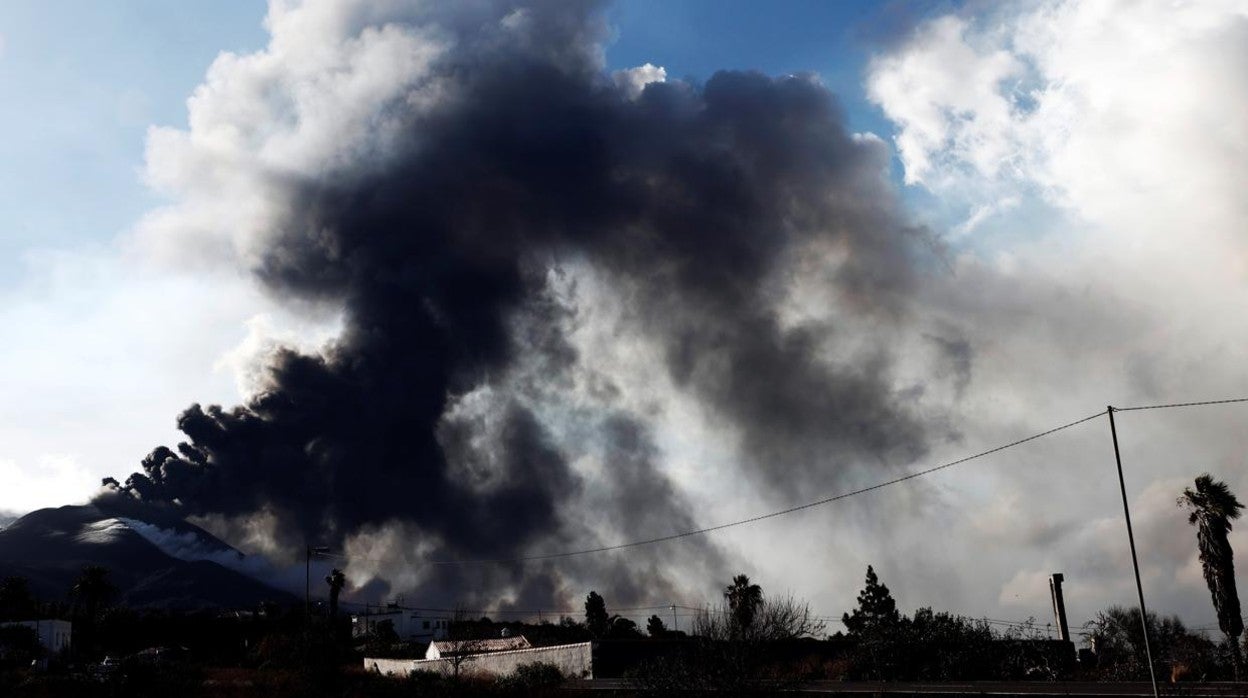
(821, 502)
(1181, 404)
(500, 611)
(762, 517)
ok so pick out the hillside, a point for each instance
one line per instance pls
(50, 547)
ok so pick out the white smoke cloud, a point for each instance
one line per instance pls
(1093, 156)
(634, 80)
(314, 102)
(190, 546)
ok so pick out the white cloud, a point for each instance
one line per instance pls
(266, 334)
(634, 80)
(312, 103)
(951, 99)
(1093, 154)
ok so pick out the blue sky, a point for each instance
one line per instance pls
(1032, 136)
(81, 83)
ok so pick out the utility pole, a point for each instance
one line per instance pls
(307, 577)
(1135, 562)
(675, 623)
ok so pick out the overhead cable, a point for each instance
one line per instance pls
(1181, 404)
(761, 517)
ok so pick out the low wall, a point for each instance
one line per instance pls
(575, 661)
(395, 667)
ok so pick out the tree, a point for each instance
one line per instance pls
(743, 599)
(783, 618)
(466, 640)
(655, 627)
(619, 627)
(1116, 638)
(596, 619)
(734, 658)
(92, 590)
(876, 608)
(1212, 507)
(16, 601)
(336, 581)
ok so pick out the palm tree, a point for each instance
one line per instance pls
(336, 581)
(92, 589)
(743, 600)
(1213, 507)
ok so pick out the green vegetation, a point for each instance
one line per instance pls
(1212, 507)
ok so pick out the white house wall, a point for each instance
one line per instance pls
(574, 661)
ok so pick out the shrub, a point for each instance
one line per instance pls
(530, 677)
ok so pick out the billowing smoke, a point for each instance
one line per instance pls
(513, 190)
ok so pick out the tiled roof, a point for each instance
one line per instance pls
(497, 644)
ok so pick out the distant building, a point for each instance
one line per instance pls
(54, 635)
(443, 649)
(409, 625)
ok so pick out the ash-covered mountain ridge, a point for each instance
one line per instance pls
(155, 558)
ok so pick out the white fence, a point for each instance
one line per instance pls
(575, 661)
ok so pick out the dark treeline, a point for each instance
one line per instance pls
(751, 641)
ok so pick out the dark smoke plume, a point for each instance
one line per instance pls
(696, 202)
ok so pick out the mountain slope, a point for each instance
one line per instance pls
(51, 546)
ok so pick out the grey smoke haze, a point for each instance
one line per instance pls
(510, 169)
(190, 547)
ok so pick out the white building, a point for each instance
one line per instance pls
(54, 635)
(574, 661)
(443, 649)
(409, 625)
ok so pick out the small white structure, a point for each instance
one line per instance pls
(54, 635)
(455, 648)
(574, 661)
(409, 625)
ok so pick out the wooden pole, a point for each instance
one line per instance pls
(1135, 562)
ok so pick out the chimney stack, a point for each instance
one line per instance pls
(1059, 606)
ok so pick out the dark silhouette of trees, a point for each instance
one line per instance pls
(382, 641)
(620, 627)
(596, 619)
(1115, 636)
(467, 639)
(876, 608)
(336, 581)
(655, 627)
(19, 645)
(92, 590)
(602, 625)
(743, 600)
(732, 653)
(16, 601)
(881, 649)
(1212, 507)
